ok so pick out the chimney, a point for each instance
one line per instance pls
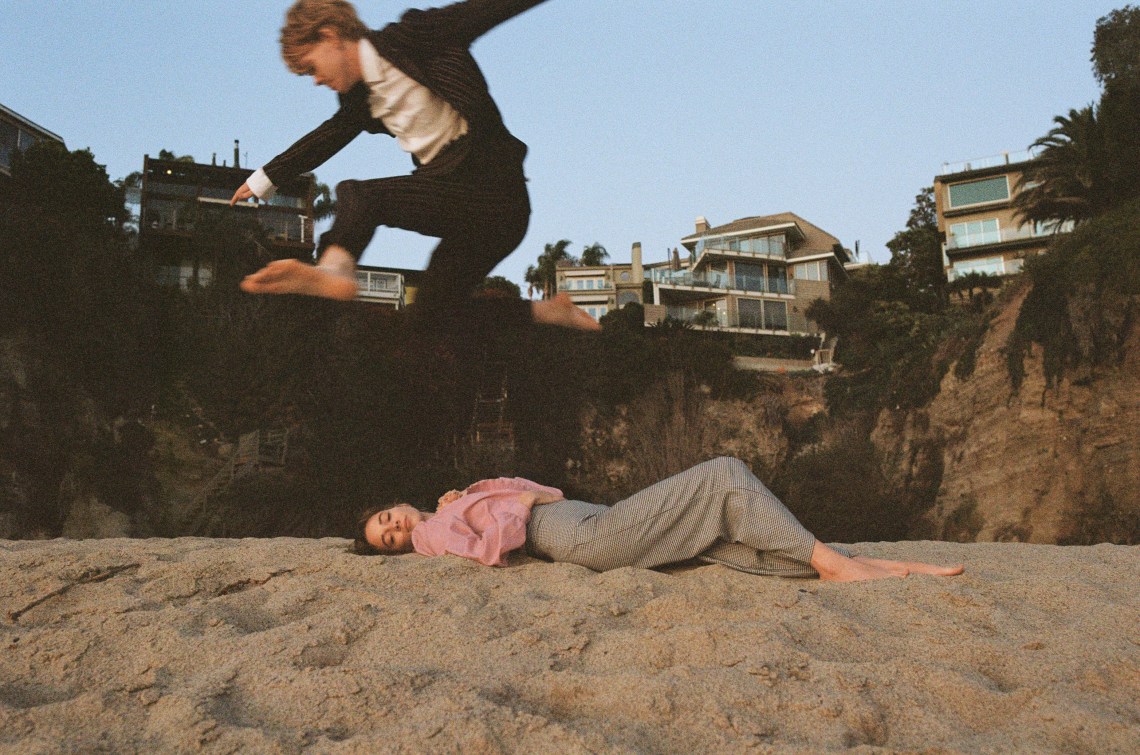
(214, 159)
(237, 159)
(702, 224)
(635, 258)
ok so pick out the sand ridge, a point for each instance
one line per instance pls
(289, 645)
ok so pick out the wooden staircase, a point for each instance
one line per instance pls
(256, 451)
(489, 423)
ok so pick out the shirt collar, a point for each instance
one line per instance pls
(370, 65)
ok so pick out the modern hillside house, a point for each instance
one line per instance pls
(177, 196)
(981, 234)
(17, 133)
(754, 275)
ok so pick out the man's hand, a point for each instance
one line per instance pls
(243, 193)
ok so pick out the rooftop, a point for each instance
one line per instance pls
(30, 125)
(815, 239)
(993, 161)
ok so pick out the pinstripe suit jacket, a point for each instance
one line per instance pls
(433, 48)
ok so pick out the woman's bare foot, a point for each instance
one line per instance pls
(912, 567)
(562, 311)
(833, 566)
(332, 278)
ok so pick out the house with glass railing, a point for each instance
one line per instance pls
(981, 233)
(175, 197)
(753, 275)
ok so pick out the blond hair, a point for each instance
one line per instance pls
(304, 21)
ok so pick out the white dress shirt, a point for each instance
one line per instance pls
(422, 123)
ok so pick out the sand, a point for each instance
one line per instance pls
(290, 645)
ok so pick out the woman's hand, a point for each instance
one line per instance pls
(448, 497)
(531, 499)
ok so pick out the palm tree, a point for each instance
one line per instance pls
(324, 205)
(1067, 180)
(544, 275)
(593, 255)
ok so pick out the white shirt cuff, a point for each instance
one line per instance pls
(261, 186)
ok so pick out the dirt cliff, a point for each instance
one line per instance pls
(1044, 465)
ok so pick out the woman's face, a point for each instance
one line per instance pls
(390, 530)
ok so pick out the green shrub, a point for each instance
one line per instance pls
(836, 489)
(1083, 302)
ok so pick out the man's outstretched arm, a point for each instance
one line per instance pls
(467, 21)
(309, 152)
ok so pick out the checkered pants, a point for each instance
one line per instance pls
(717, 511)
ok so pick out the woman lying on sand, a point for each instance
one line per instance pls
(717, 511)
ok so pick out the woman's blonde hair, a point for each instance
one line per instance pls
(304, 21)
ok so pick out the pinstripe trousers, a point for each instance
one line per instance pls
(479, 210)
(717, 512)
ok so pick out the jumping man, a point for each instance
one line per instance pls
(414, 80)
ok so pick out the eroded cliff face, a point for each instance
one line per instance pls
(66, 469)
(673, 427)
(1042, 466)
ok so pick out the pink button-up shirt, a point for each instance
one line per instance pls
(484, 524)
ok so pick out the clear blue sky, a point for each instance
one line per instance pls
(640, 114)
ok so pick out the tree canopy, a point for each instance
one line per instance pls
(543, 275)
(1089, 162)
(593, 255)
(917, 250)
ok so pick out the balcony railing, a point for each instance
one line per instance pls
(993, 161)
(606, 286)
(374, 285)
(708, 318)
(1002, 236)
(724, 281)
(775, 252)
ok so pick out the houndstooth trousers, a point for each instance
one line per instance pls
(717, 512)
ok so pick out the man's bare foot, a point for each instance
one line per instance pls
(332, 278)
(562, 311)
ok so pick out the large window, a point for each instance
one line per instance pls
(586, 284)
(986, 266)
(749, 276)
(979, 192)
(182, 190)
(777, 280)
(811, 271)
(773, 246)
(974, 233)
(169, 214)
(596, 312)
(762, 315)
(285, 200)
(775, 315)
(751, 315)
(283, 227)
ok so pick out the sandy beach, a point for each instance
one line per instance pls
(289, 645)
